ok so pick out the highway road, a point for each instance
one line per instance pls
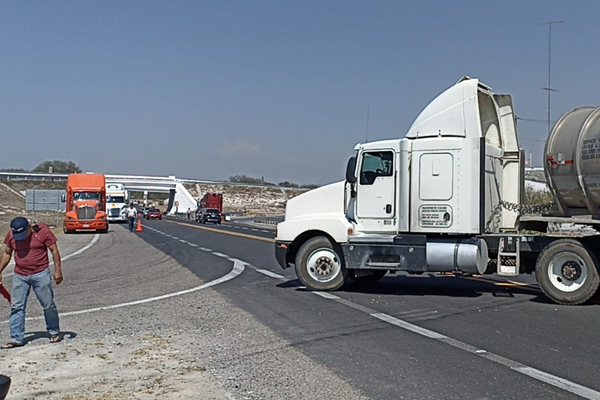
(214, 296)
(405, 337)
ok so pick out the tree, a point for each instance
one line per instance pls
(14, 170)
(64, 167)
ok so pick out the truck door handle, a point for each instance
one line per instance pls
(388, 208)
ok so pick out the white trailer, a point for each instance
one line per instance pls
(448, 197)
(117, 198)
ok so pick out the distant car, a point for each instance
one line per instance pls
(205, 215)
(153, 213)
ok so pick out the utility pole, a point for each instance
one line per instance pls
(548, 87)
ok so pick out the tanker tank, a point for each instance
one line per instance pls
(572, 162)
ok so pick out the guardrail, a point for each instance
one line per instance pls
(269, 220)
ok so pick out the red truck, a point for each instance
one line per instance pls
(212, 200)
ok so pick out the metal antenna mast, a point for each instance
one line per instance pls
(549, 88)
(368, 113)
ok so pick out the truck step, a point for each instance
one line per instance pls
(509, 259)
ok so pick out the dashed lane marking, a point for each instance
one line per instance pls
(534, 373)
(269, 240)
(269, 273)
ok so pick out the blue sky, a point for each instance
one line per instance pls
(273, 89)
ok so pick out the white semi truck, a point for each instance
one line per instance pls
(116, 202)
(448, 197)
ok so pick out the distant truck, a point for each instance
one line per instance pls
(85, 203)
(116, 202)
(212, 200)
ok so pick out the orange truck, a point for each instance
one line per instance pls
(85, 203)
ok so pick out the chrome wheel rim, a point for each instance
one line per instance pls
(567, 272)
(323, 265)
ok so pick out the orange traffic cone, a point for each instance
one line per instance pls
(139, 226)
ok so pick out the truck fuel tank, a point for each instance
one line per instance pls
(452, 255)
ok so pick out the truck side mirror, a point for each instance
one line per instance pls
(63, 198)
(350, 168)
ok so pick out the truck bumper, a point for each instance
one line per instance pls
(281, 252)
(88, 226)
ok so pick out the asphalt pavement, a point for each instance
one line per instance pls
(413, 337)
(217, 292)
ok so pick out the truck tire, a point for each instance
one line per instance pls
(320, 266)
(376, 275)
(567, 272)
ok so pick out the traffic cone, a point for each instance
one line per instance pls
(139, 226)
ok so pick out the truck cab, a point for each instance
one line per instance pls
(116, 202)
(85, 200)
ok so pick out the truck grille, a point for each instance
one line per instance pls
(86, 213)
(114, 212)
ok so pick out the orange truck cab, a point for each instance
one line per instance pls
(85, 203)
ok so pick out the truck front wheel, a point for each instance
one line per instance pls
(567, 272)
(320, 266)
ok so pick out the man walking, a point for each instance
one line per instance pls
(131, 213)
(30, 245)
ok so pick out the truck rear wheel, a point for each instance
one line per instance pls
(567, 272)
(320, 266)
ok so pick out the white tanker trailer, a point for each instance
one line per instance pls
(448, 197)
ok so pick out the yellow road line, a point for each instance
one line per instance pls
(224, 232)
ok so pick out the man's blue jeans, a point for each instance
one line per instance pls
(41, 283)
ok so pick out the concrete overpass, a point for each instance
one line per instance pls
(180, 199)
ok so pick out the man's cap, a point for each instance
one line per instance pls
(19, 228)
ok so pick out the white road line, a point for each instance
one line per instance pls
(559, 382)
(183, 241)
(542, 376)
(269, 273)
(192, 244)
(326, 295)
(220, 254)
(254, 229)
(76, 253)
(204, 249)
(264, 230)
(408, 326)
(174, 237)
(238, 268)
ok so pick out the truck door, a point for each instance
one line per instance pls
(375, 201)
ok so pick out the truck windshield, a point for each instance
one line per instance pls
(86, 196)
(115, 199)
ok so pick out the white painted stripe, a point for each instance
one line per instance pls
(564, 384)
(265, 231)
(175, 237)
(192, 244)
(408, 326)
(76, 253)
(204, 249)
(254, 229)
(269, 273)
(542, 376)
(183, 241)
(238, 268)
(220, 254)
(326, 295)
